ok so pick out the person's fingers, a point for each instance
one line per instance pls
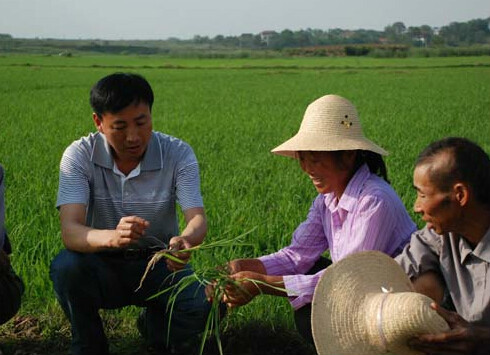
(135, 220)
(440, 348)
(452, 318)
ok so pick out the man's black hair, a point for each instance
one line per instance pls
(117, 91)
(468, 163)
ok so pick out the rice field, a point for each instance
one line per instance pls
(232, 112)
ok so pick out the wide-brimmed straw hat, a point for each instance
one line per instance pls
(329, 123)
(364, 305)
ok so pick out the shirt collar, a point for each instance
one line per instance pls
(352, 191)
(152, 160)
(481, 251)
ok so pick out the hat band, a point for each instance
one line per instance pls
(379, 318)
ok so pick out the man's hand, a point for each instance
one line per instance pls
(129, 230)
(84, 239)
(463, 338)
(177, 244)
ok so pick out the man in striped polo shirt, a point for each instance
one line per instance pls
(117, 199)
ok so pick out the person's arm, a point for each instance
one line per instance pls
(79, 237)
(2, 209)
(462, 339)
(188, 192)
(430, 284)
(307, 245)
(192, 235)
(4, 258)
(282, 273)
(420, 261)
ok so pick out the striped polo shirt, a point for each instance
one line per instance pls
(168, 173)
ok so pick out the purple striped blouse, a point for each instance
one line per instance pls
(368, 216)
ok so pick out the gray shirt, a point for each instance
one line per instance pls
(167, 174)
(465, 270)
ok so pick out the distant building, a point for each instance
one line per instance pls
(347, 34)
(265, 36)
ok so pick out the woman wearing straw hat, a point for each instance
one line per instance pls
(356, 210)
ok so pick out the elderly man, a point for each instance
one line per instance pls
(449, 260)
(117, 200)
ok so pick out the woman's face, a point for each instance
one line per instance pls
(328, 172)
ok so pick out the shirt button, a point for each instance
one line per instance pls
(479, 283)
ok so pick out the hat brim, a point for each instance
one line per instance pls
(337, 325)
(311, 141)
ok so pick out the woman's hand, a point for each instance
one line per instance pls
(242, 289)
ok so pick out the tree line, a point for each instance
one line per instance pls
(395, 40)
(469, 33)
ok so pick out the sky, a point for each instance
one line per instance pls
(161, 19)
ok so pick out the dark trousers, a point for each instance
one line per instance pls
(85, 283)
(11, 285)
(11, 290)
(302, 316)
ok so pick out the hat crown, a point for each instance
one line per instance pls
(330, 123)
(332, 116)
(364, 304)
(393, 318)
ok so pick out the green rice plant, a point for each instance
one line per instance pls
(216, 276)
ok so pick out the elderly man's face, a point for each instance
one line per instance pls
(437, 208)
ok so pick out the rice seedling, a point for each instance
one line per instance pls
(231, 118)
(216, 279)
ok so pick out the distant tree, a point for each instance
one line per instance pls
(399, 28)
(395, 32)
(302, 38)
(420, 36)
(287, 38)
(246, 40)
(466, 33)
(201, 39)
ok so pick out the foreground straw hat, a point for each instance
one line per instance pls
(329, 123)
(353, 312)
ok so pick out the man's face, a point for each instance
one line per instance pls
(438, 209)
(128, 132)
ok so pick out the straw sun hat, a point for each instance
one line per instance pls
(329, 123)
(364, 305)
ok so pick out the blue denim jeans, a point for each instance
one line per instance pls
(85, 283)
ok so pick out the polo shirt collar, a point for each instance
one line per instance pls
(152, 160)
(481, 251)
(350, 197)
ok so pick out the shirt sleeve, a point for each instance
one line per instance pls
(293, 261)
(74, 177)
(372, 228)
(188, 182)
(421, 254)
